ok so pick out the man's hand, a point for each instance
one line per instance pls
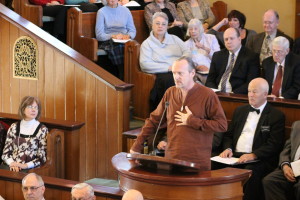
(162, 145)
(227, 153)
(288, 173)
(247, 157)
(131, 151)
(182, 117)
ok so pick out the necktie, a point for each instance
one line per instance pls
(251, 109)
(226, 73)
(265, 50)
(277, 82)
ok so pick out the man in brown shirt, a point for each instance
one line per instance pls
(193, 115)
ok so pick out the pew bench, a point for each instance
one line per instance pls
(81, 31)
(59, 150)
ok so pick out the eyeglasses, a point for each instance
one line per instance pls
(32, 107)
(31, 188)
(278, 52)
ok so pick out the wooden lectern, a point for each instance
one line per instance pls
(225, 183)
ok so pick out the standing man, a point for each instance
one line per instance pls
(260, 43)
(193, 115)
(33, 187)
(282, 182)
(282, 70)
(232, 69)
(82, 191)
(256, 132)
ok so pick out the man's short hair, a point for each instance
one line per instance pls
(160, 14)
(280, 41)
(275, 13)
(80, 186)
(38, 178)
(190, 62)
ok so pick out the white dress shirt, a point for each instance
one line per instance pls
(245, 140)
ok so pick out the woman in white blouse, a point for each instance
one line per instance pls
(202, 47)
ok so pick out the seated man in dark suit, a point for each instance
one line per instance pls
(260, 43)
(232, 69)
(282, 70)
(256, 133)
(280, 183)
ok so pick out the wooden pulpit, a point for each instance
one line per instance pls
(158, 184)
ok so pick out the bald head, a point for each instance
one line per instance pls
(33, 187)
(257, 92)
(132, 195)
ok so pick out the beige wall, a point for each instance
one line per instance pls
(254, 10)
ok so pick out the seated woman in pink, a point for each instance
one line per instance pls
(26, 141)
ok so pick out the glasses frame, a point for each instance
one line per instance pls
(32, 188)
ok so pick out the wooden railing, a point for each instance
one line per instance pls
(70, 87)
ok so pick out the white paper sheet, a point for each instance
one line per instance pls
(296, 167)
(230, 161)
(120, 41)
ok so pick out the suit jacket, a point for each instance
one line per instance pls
(269, 134)
(291, 145)
(256, 41)
(245, 69)
(290, 88)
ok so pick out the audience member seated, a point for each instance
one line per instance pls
(282, 70)
(175, 26)
(158, 52)
(85, 5)
(3, 131)
(114, 22)
(33, 187)
(26, 141)
(202, 47)
(260, 43)
(132, 195)
(82, 191)
(59, 12)
(256, 133)
(282, 183)
(199, 9)
(296, 46)
(233, 68)
(235, 19)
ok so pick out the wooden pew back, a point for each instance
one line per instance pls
(33, 13)
(81, 31)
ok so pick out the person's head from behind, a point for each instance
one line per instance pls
(258, 90)
(82, 191)
(270, 21)
(132, 195)
(195, 29)
(236, 19)
(33, 187)
(159, 24)
(232, 39)
(280, 48)
(183, 70)
(30, 108)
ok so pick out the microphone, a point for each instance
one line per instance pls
(153, 142)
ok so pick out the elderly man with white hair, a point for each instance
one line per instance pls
(82, 191)
(202, 47)
(33, 187)
(282, 70)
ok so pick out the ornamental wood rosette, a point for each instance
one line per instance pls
(25, 62)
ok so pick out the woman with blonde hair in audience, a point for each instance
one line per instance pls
(114, 22)
(26, 141)
(199, 9)
(175, 26)
(235, 19)
(202, 47)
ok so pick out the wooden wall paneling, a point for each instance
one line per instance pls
(3, 189)
(59, 90)
(102, 132)
(91, 119)
(17, 191)
(113, 144)
(70, 89)
(9, 188)
(5, 70)
(80, 104)
(49, 61)
(41, 81)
